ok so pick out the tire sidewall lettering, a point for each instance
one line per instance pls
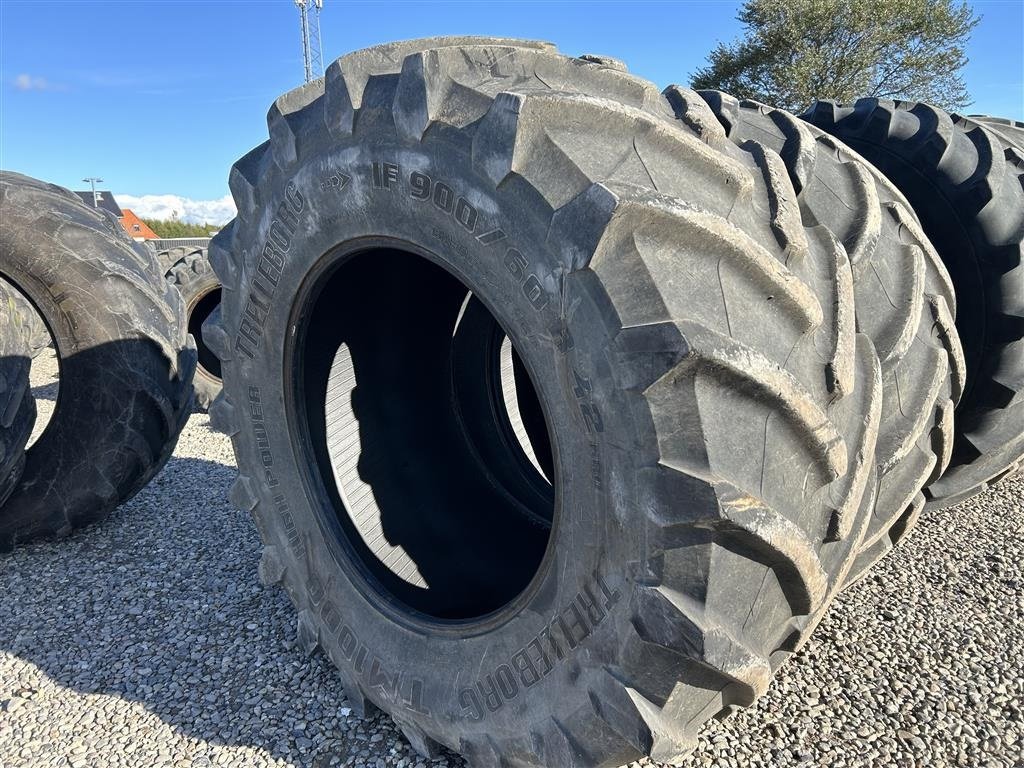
(522, 285)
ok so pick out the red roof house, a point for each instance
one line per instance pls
(136, 227)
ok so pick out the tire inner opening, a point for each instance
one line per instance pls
(208, 361)
(428, 435)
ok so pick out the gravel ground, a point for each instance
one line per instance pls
(147, 641)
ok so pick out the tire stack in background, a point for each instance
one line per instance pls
(564, 405)
(905, 302)
(965, 179)
(737, 336)
(189, 271)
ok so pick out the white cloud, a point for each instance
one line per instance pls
(185, 208)
(26, 82)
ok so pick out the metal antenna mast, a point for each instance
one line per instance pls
(309, 18)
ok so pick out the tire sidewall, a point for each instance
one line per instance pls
(504, 673)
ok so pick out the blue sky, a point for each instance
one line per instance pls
(159, 98)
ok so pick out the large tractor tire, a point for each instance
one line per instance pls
(17, 406)
(125, 359)
(700, 408)
(905, 303)
(194, 279)
(967, 187)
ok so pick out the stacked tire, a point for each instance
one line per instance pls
(965, 179)
(733, 362)
(905, 302)
(125, 362)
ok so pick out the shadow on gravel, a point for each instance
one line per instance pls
(46, 391)
(161, 605)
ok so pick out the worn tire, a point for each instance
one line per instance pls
(967, 188)
(713, 411)
(126, 360)
(17, 406)
(904, 298)
(194, 279)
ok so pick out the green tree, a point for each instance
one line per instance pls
(177, 228)
(796, 51)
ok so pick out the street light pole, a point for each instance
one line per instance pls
(94, 181)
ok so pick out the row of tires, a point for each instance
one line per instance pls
(564, 405)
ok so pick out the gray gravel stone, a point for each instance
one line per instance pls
(147, 641)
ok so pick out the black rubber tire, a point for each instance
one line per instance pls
(904, 298)
(1010, 131)
(172, 256)
(193, 278)
(967, 187)
(17, 406)
(713, 411)
(125, 359)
